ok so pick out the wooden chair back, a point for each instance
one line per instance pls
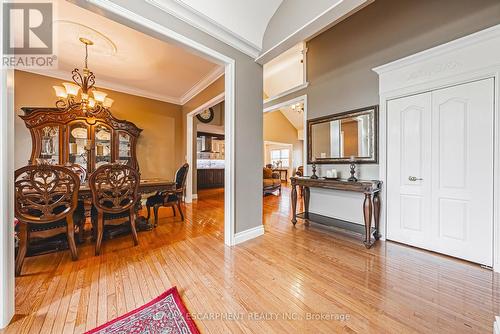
(78, 170)
(181, 176)
(114, 187)
(45, 193)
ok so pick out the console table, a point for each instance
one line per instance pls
(371, 203)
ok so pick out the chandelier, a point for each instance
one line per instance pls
(69, 93)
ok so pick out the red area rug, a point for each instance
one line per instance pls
(164, 314)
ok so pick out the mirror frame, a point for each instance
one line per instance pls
(373, 159)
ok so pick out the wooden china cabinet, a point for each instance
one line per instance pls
(71, 136)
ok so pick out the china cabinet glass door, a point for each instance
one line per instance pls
(124, 148)
(49, 150)
(79, 144)
(103, 145)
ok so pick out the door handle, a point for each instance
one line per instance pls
(413, 178)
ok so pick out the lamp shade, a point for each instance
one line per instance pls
(60, 91)
(71, 88)
(108, 102)
(99, 96)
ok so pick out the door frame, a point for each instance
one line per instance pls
(7, 278)
(129, 18)
(190, 142)
(466, 59)
(303, 99)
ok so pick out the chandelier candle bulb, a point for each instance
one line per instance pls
(71, 88)
(99, 96)
(91, 103)
(60, 91)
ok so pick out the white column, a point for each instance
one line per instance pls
(6, 191)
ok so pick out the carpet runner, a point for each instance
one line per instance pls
(164, 314)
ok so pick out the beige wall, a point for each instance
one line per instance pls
(159, 145)
(278, 129)
(340, 60)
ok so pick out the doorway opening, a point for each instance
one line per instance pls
(285, 124)
(136, 22)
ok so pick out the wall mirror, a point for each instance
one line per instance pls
(335, 139)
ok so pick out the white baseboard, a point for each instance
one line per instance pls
(194, 196)
(496, 326)
(248, 234)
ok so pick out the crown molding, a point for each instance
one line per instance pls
(445, 48)
(202, 84)
(59, 74)
(200, 21)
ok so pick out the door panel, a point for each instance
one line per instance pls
(462, 164)
(407, 151)
(440, 170)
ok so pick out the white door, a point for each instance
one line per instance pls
(440, 171)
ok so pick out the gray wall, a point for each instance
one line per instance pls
(248, 102)
(340, 60)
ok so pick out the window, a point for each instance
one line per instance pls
(280, 158)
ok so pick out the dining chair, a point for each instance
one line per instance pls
(169, 198)
(115, 193)
(46, 198)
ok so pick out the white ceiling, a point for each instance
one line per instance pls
(239, 23)
(294, 117)
(248, 19)
(126, 60)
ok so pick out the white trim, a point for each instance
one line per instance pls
(340, 10)
(193, 17)
(303, 99)
(202, 84)
(59, 74)
(496, 326)
(189, 141)
(7, 279)
(473, 57)
(195, 196)
(449, 47)
(286, 92)
(246, 235)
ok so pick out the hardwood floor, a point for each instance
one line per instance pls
(291, 280)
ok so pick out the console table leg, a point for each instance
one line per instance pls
(367, 210)
(376, 214)
(307, 196)
(294, 204)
